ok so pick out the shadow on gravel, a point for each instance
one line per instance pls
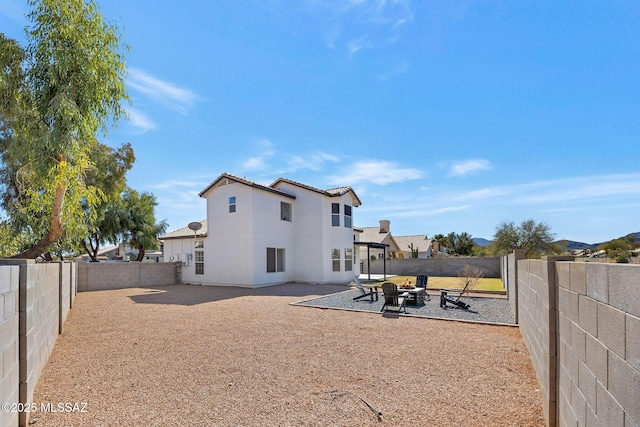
(195, 294)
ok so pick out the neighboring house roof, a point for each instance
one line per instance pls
(420, 242)
(186, 232)
(373, 235)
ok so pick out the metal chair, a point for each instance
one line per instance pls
(421, 282)
(445, 297)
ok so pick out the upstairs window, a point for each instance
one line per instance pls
(347, 216)
(199, 244)
(232, 204)
(285, 211)
(335, 214)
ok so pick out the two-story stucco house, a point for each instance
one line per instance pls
(258, 235)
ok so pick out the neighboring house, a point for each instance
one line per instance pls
(123, 252)
(420, 242)
(398, 246)
(179, 245)
(259, 235)
(380, 235)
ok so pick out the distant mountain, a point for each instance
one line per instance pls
(569, 244)
(479, 241)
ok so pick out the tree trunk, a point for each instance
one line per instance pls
(141, 252)
(90, 250)
(56, 227)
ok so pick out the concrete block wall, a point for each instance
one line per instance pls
(9, 342)
(536, 307)
(36, 299)
(581, 325)
(598, 344)
(509, 275)
(39, 323)
(449, 266)
(94, 276)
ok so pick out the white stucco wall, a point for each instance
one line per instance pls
(235, 250)
(315, 237)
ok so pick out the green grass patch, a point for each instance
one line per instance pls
(484, 283)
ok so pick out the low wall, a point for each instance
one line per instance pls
(598, 344)
(95, 276)
(443, 267)
(9, 342)
(509, 275)
(581, 325)
(45, 293)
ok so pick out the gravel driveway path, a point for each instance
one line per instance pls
(213, 356)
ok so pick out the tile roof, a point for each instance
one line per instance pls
(273, 187)
(186, 232)
(244, 181)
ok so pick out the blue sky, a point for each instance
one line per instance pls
(442, 115)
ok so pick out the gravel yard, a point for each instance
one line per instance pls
(214, 356)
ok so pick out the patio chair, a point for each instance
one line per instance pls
(421, 282)
(392, 298)
(373, 290)
(445, 296)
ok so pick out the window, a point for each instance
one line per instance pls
(199, 256)
(232, 204)
(347, 216)
(335, 214)
(335, 259)
(199, 244)
(285, 211)
(348, 259)
(275, 260)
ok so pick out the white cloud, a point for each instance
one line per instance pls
(140, 120)
(313, 161)
(580, 188)
(255, 164)
(469, 166)
(379, 172)
(167, 94)
(396, 70)
(361, 24)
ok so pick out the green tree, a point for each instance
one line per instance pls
(534, 238)
(56, 95)
(620, 249)
(137, 221)
(109, 175)
(459, 244)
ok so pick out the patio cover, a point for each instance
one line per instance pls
(375, 245)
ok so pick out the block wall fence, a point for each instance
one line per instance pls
(447, 266)
(35, 300)
(581, 325)
(97, 276)
(579, 321)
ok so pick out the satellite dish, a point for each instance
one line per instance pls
(195, 226)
